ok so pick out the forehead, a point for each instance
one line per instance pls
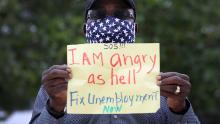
(113, 3)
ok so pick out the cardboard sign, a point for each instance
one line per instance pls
(113, 78)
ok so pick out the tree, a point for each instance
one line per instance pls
(34, 35)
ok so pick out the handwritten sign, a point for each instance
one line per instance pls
(113, 78)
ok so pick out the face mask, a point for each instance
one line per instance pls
(110, 30)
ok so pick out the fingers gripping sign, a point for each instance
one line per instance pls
(175, 86)
(54, 80)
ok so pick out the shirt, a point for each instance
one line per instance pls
(40, 115)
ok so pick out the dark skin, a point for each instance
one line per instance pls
(55, 79)
(109, 5)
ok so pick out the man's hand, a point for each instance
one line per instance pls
(168, 83)
(55, 80)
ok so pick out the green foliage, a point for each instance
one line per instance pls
(189, 34)
(34, 35)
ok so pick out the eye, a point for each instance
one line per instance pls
(124, 14)
(101, 14)
(119, 14)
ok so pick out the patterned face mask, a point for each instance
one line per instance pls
(110, 30)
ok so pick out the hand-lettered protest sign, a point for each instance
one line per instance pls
(113, 78)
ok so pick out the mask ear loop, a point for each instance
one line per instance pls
(136, 28)
(84, 29)
(135, 31)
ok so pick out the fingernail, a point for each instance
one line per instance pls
(67, 80)
(158, 83)
(70, 75)
(69, 70)
(158, 77)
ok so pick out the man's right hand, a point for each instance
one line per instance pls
(55, 80)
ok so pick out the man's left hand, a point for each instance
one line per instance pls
(169, 83)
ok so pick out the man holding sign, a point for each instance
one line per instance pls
(112, 21)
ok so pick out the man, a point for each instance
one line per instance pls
(111, 21)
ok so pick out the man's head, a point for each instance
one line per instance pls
(110, 21)
(123, 9)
